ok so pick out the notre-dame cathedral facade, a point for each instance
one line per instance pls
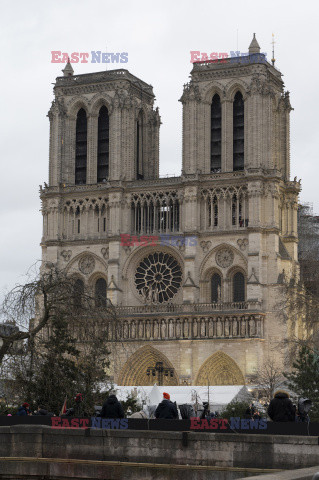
(194, 264)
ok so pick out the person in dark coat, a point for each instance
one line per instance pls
(43, 411)
(112, 408)
(248, 414)
(281, 408)
(166, 409)
(24, 409)
(78, 406)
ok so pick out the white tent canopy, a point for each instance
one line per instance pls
(219, 396)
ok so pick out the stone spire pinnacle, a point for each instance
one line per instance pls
(68, 70)
(254, 46)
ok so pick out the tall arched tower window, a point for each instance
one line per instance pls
(216, 288)
(239, 287)
(238, 132)
(139, 147)
(216, 135)
(213, 211)
(103, 145)
(100, 293)
(81, 148)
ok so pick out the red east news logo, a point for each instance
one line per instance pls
(58, 422)
(213, 424)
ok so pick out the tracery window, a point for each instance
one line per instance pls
(77, 221)
(238, 215)
(213, 211)
(81, 148)
(156, 213)
(100, 292)
(216, 134)
(216, 287)
(238, 132)
(103, 145)
(158, 277)
(239, 287)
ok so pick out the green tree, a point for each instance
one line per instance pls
(130, 405)
(73, 358)
(93, 362)
(49, 372)
(304, 378)
(235, 409)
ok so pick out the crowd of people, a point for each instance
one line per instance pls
(280, 409)
(24, 409)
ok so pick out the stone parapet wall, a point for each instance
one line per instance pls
(55, 469)
(299, 474)
(176, 448)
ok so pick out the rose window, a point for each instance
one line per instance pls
(158, 277)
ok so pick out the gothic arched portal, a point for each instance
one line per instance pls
(220, 369)
(134, 372)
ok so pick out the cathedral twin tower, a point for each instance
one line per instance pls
(194, 264)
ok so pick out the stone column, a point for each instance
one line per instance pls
(227, 135)
(190, 99)
(115, 213)
(203, 133)
(70, 139)
(191, 222)
(114, 292)
(128, 125)
(53, 148)
(116, 134)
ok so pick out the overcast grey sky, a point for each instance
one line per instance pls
(158, 37)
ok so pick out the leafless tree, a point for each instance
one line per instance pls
(28, 308)
(299, 304)
(32, 312)
(308, 248)
(268, 379)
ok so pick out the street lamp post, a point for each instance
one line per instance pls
(160, 371)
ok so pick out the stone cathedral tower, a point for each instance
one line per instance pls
(194, 264)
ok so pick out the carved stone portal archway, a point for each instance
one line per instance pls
(134, 370)
(220, 369)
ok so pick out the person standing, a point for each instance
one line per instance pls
(281, 408)
(166, 409)
(43, 411)
(24, 409)
(112, 408)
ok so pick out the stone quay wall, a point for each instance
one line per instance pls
(32, 451)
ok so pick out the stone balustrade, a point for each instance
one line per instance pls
(187, 328)
(187, 308)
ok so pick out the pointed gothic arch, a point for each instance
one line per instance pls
(75, 104)
(220, 369)
(134, 372)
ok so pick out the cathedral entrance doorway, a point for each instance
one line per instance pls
(148, 366)
(220, 369)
